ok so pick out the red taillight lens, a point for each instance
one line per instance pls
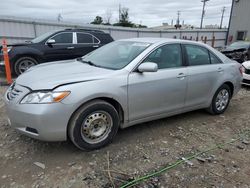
(242, 70)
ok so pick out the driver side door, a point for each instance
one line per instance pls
(63, 48)
(162, 92)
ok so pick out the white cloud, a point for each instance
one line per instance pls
(148, 12)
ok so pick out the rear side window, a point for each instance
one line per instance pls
(197, 55)
(214, 59)
(84, 38)
(63, 38)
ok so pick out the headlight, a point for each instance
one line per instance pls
(43, 97)
(9, 48)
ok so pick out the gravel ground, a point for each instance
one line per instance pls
(136, 151)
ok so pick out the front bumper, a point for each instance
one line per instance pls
(47, 122)
(246, 79)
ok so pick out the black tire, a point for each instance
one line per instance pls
(212, 109)
(81, 116)
(21, 61)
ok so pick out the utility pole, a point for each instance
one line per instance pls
(222, 16)
(59, 17)
(177, 25)
(229, 24)
(203, 12)
(178, 17)
(120, 12)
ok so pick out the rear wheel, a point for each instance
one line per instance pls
(220, 100)
(94, 125)
(23, 64)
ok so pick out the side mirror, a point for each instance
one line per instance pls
(148, 67)
(51, 41)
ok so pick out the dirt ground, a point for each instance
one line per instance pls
(136, 151)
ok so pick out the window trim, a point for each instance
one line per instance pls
(59, 34)
(182, 59)
(93, 41)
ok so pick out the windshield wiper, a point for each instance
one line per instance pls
(88, 62)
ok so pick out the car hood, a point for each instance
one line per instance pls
(232, 49)
(246, 64)
(51, 75)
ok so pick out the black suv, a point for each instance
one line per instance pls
(54, 46)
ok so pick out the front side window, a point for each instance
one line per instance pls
(167, 56)
(116, 55)
(63, 38)
(83, 38)
(197, 55)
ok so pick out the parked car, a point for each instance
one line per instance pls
(246, 73)
(238, 51)
(54, 46)
(118, 85)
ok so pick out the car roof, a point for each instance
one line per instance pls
(161, 40)
(83, 30)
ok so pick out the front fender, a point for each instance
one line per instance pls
(84, 92)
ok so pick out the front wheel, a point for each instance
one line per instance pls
(221, 100)
(94, 125)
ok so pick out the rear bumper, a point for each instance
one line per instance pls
(246, 79)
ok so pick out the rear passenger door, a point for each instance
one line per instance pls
(86, 43)
(204, 71)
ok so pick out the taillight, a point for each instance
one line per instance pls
(242, 70)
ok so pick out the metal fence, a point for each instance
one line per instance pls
(20, 30)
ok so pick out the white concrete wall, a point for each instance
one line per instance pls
(19, 30)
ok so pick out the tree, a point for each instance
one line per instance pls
(108, 16)
(98, 20)
(124, 19)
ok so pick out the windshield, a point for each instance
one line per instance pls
(42, 37)
(240, 44)
(116, 55)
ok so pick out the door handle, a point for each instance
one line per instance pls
(95, 46)
(220, 69)
(70, 47)
(181, 75)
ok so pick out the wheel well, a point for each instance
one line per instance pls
(115, 104)
(36, 57)
(111, 101)
(231, 86)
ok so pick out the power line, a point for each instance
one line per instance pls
(203, 11)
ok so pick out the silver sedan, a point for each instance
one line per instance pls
(118, 85)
